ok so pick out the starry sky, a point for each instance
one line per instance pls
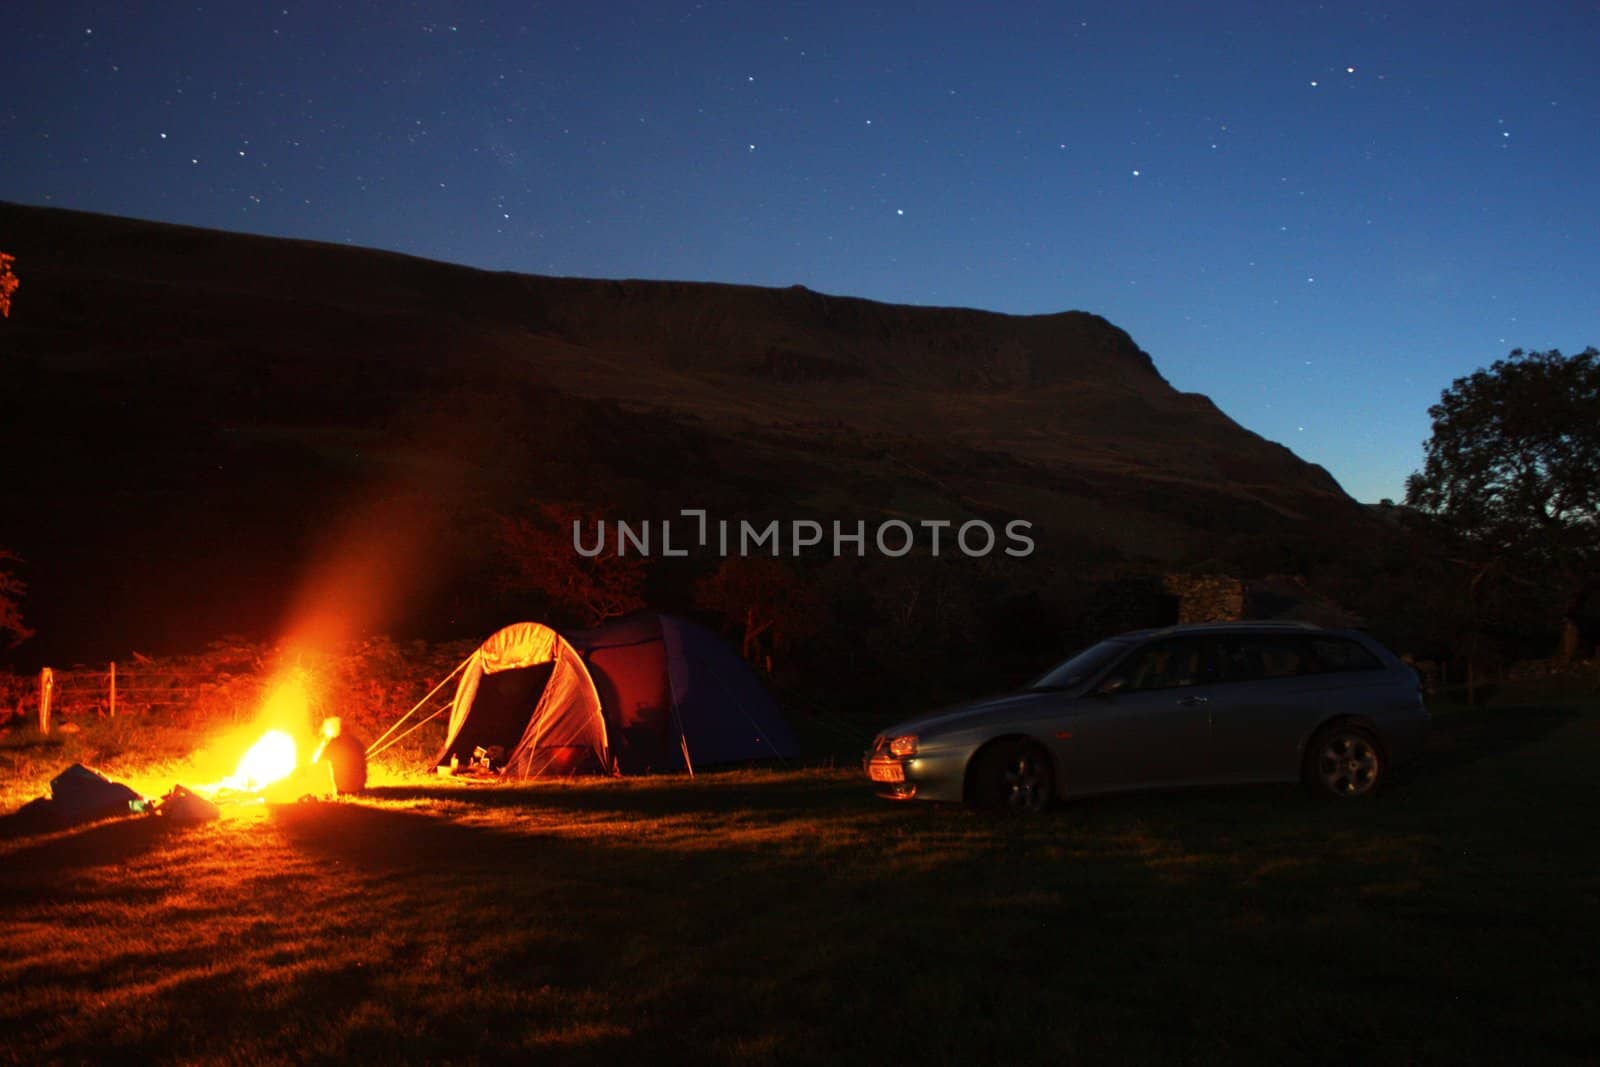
(1317, 214)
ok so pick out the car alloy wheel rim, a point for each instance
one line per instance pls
(1023, 783)
(1348, 765)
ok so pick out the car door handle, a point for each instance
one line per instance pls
(1193, 702)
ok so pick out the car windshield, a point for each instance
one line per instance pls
(1082, 666)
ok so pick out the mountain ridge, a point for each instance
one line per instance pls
(275, 380)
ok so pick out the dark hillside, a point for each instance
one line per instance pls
(190, 418)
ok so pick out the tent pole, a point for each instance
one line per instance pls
(683, 743)
(683, 738)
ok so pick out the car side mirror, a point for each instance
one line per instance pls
(1111, 686)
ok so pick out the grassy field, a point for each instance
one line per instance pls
(788, 916)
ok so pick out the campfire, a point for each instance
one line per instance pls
(274, 758)
(283, 758)
(270, 760)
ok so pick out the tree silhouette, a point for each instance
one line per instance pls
(8, 284)
(1512, 460)
(11, 590)
(544, 560)
(773, 607)
(1509, 472)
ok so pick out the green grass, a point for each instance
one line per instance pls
(788, 916)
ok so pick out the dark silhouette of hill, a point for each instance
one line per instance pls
(189, 419)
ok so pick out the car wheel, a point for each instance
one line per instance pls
(1344, 760)
(1013, 777)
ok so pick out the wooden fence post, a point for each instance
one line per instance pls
(113, 700)
(47, 686)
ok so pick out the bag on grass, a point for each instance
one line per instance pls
(81, 795)
(180, 805)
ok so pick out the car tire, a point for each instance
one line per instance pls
(1012, 776)
(1344, 761)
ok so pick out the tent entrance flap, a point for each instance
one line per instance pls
(500, 710)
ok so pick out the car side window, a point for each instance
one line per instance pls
(1343, 654)
(1252, 658)
(1170, 664)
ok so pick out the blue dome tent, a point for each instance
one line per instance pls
(646, 693)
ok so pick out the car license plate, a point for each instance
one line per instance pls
(885, 771)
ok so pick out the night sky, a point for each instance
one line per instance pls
(1318, 215)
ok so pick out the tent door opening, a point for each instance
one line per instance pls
(500, 711)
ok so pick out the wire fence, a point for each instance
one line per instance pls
(135, 689)
(367, 684)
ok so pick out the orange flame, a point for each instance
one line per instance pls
(271, 759)
(275, 755)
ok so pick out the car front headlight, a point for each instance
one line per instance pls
(905, 745)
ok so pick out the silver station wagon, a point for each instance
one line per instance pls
(1186, 705)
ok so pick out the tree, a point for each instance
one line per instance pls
(772, 605)
(1512, 460)
(545, 560)
(1509, 472)
(8, 284)
(11, 590)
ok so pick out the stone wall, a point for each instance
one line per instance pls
(1206, 597)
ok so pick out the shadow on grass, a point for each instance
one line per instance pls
(848, 797)
(26, 742)
(380, 839)
(664, 795)
(89, 845)
(55, 870)
(843, 795)
(515, 908)
(1460, 737)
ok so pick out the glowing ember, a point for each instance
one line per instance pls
(271, 759)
